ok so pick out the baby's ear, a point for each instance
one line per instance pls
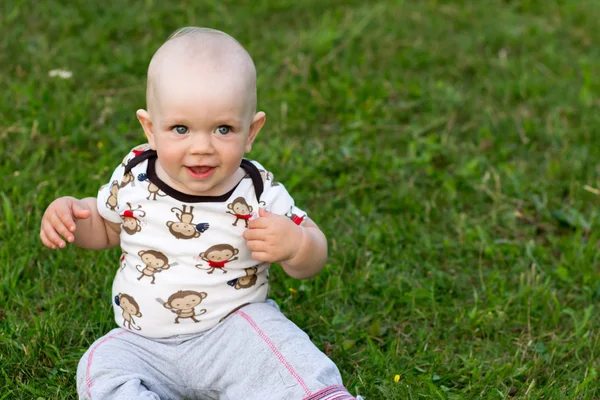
(146, 122)
(257, 123)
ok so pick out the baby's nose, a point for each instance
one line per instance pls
(201, 143)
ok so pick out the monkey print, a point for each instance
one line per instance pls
(240, 209)
(184, 228)
(131, 224)
(122, 260)
(140, 149)
(295, 217)
(268, 177)
(154, 261)
(183, 303)
(126, 180)
(153, 190)
(217, 256)
(247, 281)
(136, 152)
(130, 309)
(111, 201)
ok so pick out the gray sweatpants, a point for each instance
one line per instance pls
(255, 353)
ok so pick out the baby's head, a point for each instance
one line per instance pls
(201, 117)
(205, 60)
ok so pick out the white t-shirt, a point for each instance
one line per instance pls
(185, 265)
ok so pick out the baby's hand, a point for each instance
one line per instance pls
(273, 238)
(59, 219)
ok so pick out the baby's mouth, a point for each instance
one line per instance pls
(200, 169)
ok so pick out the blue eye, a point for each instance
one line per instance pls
(223, 130)
(180, 129)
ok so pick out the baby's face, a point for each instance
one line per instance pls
(201, 122)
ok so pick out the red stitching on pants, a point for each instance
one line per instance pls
(333, 392)
(278, 354)
(88, 378)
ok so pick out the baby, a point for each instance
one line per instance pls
(199, 226)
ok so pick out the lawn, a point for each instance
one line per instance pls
(449, 149)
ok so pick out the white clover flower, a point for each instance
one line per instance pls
(60, 73)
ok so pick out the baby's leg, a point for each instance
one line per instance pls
(124, 365)
(257, 353)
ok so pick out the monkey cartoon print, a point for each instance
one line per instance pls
(154, 261)
(127, 179)
(217, 256)
(183, 304)
(130, 309)
(111, 201)
(184, 228)
(245, 282)
(240, 209)
(153, 191)
(131, 219)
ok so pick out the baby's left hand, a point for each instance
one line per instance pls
(273, 238)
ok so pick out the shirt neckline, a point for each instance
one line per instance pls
(187, 198)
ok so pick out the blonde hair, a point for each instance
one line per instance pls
(195, 31)
(194, 34)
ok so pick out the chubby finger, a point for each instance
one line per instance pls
(45, 240)
(263, 212)
(258, 223)
(256, 245)
(62, 216)
(260, 256)
(52, 235)
(253, 234)
(80, 212)
(64, 225)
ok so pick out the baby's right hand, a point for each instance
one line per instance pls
(59, 219)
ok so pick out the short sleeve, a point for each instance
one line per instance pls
(277, 200)
(108, 197)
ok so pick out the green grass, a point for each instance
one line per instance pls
(449, 150)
